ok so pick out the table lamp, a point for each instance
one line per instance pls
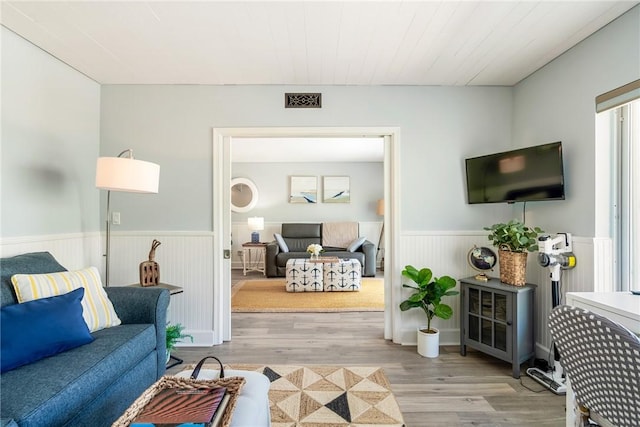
(255, 224)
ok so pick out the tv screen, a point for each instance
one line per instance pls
(526, 174)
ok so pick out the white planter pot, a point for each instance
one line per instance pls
(428, 343)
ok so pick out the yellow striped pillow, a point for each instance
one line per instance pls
(97, 310)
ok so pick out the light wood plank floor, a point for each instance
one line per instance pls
(476, 390)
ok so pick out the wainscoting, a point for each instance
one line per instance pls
(186, 259)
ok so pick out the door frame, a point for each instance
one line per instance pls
(221, 222)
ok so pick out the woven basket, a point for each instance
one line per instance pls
(513, 267)
(233, 385)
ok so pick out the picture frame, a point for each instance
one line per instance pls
(303, 189)
(336, 189)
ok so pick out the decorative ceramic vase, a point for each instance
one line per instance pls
(428, 342)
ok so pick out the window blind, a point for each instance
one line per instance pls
(617, 97)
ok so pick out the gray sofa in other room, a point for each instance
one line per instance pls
(298, 236)
(91, 385)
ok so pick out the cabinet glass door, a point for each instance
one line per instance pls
(500, 317)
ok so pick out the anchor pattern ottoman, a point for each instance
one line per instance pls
(342, 276)
(303, 276)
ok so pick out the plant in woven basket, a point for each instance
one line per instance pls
(513, 240)
(514, 236)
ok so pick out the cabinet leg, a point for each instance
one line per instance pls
(516, 370)
(463, 350)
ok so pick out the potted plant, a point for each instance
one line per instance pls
(513, 240)
(175, 335)
(427, 296)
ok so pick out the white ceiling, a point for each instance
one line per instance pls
(308, 42)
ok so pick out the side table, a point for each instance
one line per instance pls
(173, 290)
(253, 256)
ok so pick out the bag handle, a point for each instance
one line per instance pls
(196, 370)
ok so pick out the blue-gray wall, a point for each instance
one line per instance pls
(172, 125)
(50, 140)
(557, 103)
(272, 181)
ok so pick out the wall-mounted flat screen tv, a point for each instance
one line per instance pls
(526, 174)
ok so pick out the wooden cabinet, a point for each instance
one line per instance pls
(497, 319)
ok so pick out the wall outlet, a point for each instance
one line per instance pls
(115, 218)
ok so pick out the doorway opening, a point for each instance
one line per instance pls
(222, 154)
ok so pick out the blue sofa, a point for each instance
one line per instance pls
(94, 384)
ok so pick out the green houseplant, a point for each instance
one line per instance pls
(427, 296)
(515, 236)
(513, 240)
(174, 336)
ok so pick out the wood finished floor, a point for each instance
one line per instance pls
(451, 390)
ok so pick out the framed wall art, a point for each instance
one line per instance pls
(336, 189)
(303, 189)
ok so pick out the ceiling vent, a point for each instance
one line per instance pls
(302, 100)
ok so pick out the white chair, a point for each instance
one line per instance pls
(602, 361)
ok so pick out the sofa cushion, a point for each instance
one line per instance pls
(97, 310)
(38, 329)
(51, 390)
(31, 263)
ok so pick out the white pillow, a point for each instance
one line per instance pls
(281, 243)
(97, 309)
(353, 246)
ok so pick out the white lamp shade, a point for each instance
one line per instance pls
(130, 175)
(380, 207)
(255, 223)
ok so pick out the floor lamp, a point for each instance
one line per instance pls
(380, 212)
(124, 173)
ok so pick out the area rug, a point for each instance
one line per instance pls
(253, 296)
(323, 396)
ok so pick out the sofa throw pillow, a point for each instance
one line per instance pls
(97, 309)
(354, 245)
(281, 242)
(37, 329)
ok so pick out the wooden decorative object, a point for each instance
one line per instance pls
(149, 270)
(513, 267)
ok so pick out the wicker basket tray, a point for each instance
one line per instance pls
(233, 384)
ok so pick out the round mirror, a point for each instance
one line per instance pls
(244, 195)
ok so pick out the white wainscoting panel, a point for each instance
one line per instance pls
(445, 253)
(578, 279)
(185, 259)
(74, 251)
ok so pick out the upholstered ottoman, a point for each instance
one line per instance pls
(303, 276)
(342, 276)
(252, 408)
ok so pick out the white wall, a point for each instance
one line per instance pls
(557, 103)
(50, 139)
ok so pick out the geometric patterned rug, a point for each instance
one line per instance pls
(323, 396)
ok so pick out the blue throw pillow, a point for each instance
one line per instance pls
(37, 329)
(353, 246)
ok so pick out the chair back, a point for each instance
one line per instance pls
(602, 361)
